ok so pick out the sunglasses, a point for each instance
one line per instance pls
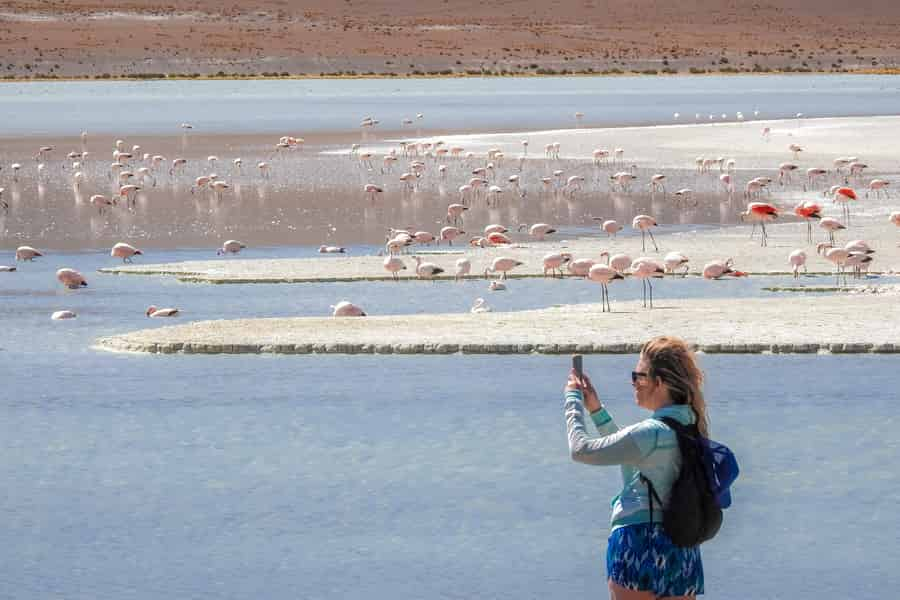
(636, 374)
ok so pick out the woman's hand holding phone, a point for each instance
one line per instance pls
(583, 383)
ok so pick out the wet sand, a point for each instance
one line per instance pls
(746, 326)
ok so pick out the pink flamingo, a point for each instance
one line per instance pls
(797, 259)
(450, 233)
(426, 270)
(346, 309)
(843, 196)
(332, 250)
(454, 213)
(372, 191)
(124, 251)
(580, 267)
(230, 247)
(836, 256)
(727, 182)
(495, 228)
(644, 223)
(71, 278)
(831, 225)
(619, 262)
(676, 260)
(610, 226)
(538, 231)
(808, 211)
(812, 175)
(878, 186)
(26, 253)
(603, 274)
(760, 212)
(463, 268)
(502, 265)
(895, 218)
(719, 268)
(554, 262)
(646, 269)
(393, 265)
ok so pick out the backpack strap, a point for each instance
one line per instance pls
(652, 495)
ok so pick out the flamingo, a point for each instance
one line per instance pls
(264, 169)
(3, 203)
(450, 233)
(831, 225)
(675, 260)
(685, 196)
(619, 262)
(878, 186)
(796, 149)
(346, 309)
(62, 315)
(727, 182)
(603, 274)
(644, 223)
(844, 195)
(393, 265)
(71, 278)
(372, 191)
(719, 268)
(554, 262)
(538, 231)
(797, 259)
(124, 251)
(623, 179)
(610, 226)
(129, 192)
(480, 306)
(497, 286)
(26, 253)
(218, 188)
(454, 213)
(332, 250)
(463, 268)
(895, 218)
(502, 265)
(494, 192)
(784, 172)
(177, 166)
(495, 228)
(808, 211)
(7, 269)
(812, 175)
(498, 239)
(424, 237)
(426, 270)
(760, 212)
(580, 267)
(645, 269)
(836, 256)
(157, 313)
(230, 247)
(657, 183)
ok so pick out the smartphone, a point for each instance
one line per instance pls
(577, 364)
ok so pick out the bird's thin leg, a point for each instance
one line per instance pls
(643, 241)
(650, 285)
(650, 233)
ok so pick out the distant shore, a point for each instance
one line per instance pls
(436, 75)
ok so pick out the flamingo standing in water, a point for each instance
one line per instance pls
(646, 269)
(676, 260)
(454, 213)
(644, 223)
(71, 278)
(760, 212)
(808, 211)
(797, 259)
(538, 231)
(124, 251)
(878, 186)
(393, 265)
(450, 233)
(831, 225)
(26, 253)
(502, 265)
(426, 270)
(603, 274)
(843, 196)
(554, 262)
(610, 226)
(836, 256)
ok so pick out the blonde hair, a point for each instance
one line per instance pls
(671, 360)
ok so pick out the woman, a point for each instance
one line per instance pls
(642, 563)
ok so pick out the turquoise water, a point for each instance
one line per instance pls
(306, 106)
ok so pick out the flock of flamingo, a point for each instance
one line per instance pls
(133, 169)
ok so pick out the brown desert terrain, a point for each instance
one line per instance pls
(85, 38)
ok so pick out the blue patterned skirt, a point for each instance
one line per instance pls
(642, 557)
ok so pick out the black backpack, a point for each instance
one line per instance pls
(693, 515)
